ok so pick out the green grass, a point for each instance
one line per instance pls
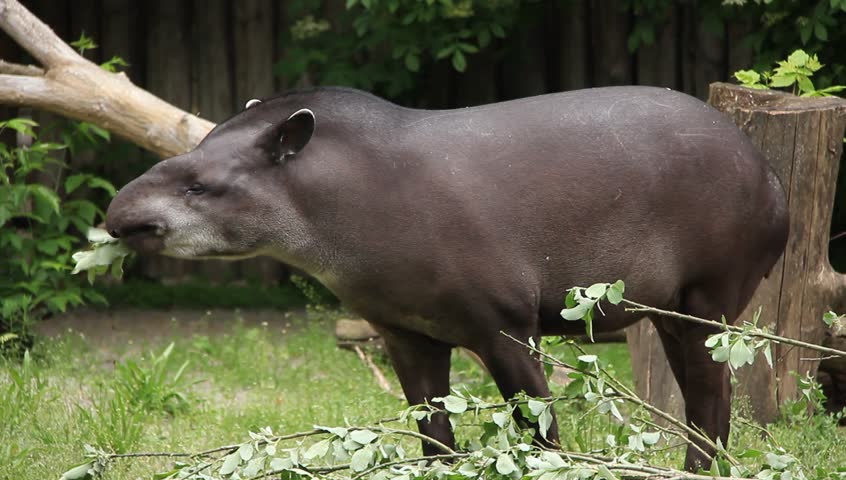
(120, 398)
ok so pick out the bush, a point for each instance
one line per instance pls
(42, 226)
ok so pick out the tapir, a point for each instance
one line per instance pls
(448, 228)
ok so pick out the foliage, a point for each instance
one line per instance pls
(134, 293)
(795, 72)
(150, 386)
(390, 42)
(41, 211)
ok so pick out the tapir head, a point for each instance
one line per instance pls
(227, 198)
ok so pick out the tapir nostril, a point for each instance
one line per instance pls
(140, 228)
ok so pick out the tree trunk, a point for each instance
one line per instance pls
(803, 140)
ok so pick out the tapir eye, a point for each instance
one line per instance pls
(196, 189)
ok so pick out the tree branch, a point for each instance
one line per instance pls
(34, 36)
(76, 88)
(18, 69)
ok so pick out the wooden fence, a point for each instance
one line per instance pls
(210, 56)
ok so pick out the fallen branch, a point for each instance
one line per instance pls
(377, 373)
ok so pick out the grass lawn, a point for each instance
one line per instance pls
(107, 390)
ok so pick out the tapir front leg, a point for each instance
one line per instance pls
(422, 366)
(515, 369)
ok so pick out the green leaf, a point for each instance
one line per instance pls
(100, 236)
(829, 317)
(363, 436)
(651, 438)
(497, 30)
(79, 472)
(95, 182)
(454, 404)
(101, 255)
(500, 419)
(782, 80)
(246, 450)
(74, 181)
(588, 358)
(820, 32)
(459, 62)
(45, 200)
(805, 84)
(597, 290)
(536, 407)
(615, 292)
(740, 354)
(318, 450)
(720, 354)
(798, 58)
(505, 465)
(230, 464)
(545, 421)
(361, 460)
(576, 313)
(412, 62)
(747, 77)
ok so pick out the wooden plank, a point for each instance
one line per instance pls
(169, 77)
(740, 56)
(610, 28)
(567, 37)
(476, 86)
(710, 63)
(253, 64)
(657, 64)
(523, 70)
(253, 40)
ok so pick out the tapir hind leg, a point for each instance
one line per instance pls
(704, 383)
(422, 366)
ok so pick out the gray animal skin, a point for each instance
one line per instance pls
(445, 228)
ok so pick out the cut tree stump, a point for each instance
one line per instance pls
(803, 140)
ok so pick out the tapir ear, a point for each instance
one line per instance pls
(296, 132)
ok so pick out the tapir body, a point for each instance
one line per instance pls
(446, 228)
